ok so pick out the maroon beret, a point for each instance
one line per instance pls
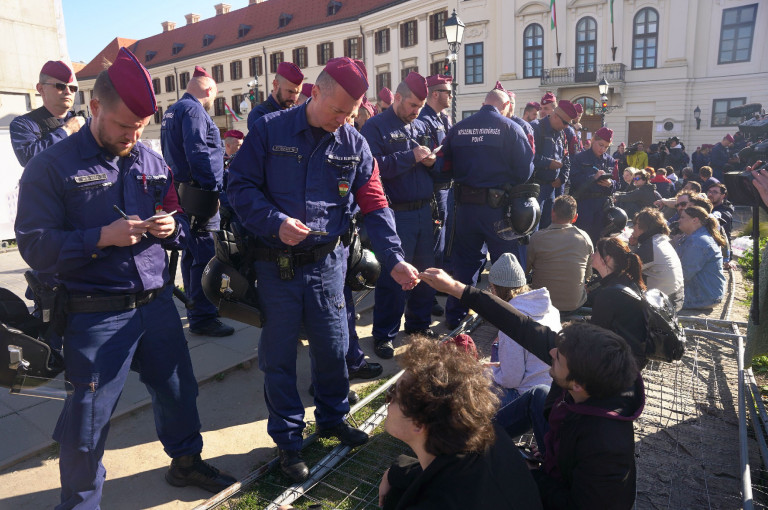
(290, 72)
(500, 87)
(417, 85)
(234, 133)
(200, 71)
(464, 343)
(133, 84)
(729, 137)
(438, 79)
(604, 133)
(348, 75)
(306, 89)
(386, 95)
(533, 104)
(59, 70)
(361, 65)
(579, 108)
(548, 98)
(368, 106)
(567, 109)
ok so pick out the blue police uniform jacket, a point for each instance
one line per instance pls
(718, 157)
(261, 109)
(487, 150)
(280, 172)
(192, 144)
(699, 160)
(28, 140)
(67, 193)
(437, 124)
(584, 166)
(550, 145)
(572, 147)
(392, 143)
(527, 129)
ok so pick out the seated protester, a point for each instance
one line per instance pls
(661, 265)
(627, 181)
(722, 209)
(686, 176)
(701, 258)
(705, 178)
(663, 185)
(590, 457)
(522, 377)
(642, 196)
(611, 307)
(442, 407)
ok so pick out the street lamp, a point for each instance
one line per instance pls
(697, 116)
(254, 84)
(602, 88)
(454, 34)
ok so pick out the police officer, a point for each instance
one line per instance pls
(572, 147)
(120, 313)
(384, 99)
(306, 93)
(403, 149)
(286, 88)
(591, 183)
(233, 139)
(531, 111)
(524, 125)
(483, 153)
(192, 147)
(293, 185)
(721, 156)
(550, 154)
(548, 104)
(37, 130)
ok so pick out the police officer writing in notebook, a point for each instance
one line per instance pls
(73, 202)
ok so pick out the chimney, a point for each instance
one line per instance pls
(222, 9)
(168, 25)
(251, 2)
(192, 18)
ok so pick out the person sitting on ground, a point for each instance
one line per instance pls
(702, 259)
(590, 457)
(661, 265)
(664, 186)
(442, 407)
(522, 377)
(558, 257)
(627, 181)
(643, 195)
(705, 178)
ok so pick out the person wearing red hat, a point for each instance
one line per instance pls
(721, 157)
(233, 139)
(591, 183)
(572, 147)
(306, 93)
(191, 145)
(37, 130)
(384, 99)
(286, 88)
(531, 111)
(293, 184)
(93, 209)
(548, 104)
(402, 146)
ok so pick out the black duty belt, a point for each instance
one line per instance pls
(410, 206)
(300, 257)
(92, 303)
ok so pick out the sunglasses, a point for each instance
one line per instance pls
(638, 179)
(449, 92)
(61, 87)
(389, 396)
(684, 204)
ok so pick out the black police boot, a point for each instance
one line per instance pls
(293, 465)
(348, 436)
(428, 332)
(437, 309)
(213, 328)
(192, 470)
(367, 371)
(384, 349)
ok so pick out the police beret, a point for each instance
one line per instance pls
(500, 87)
(604, 133)
(290, 72)
(367, 106)
(133, 84)
(417, 85)
(59, 70)
(566, 108)
(438, 79)
(234, 133)
(579, 108)
(361, 65)
(386, 95)
(200, 71)
(306, 89)
(533, 104)
(729, 137)
(349, 75)
(548, 98)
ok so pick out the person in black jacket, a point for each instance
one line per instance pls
(590, 461)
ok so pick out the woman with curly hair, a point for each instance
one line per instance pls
(442, 407)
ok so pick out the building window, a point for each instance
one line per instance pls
(333, 8)
(437, 25)
(406, 70)
(275, 59)
(440, 67)
(177, 47)
(236, 70)
(243, 30)
(353, 47)
(218, 106)
(300, 57)
(236, 100)
(383, 80)
(408, 34)
(720, 109)
(533, 51)
(159, 115)
(81, 97)
(156, 85)
(324, 53)
(473, 63)
(254, 66)
(736, 33)
(183, 80)
(381, 40)
(589, 105)
(284, 20)
(208, 39)
(586, 50)
(645, 39)
(149, 55)
(170, 83)
(468, 113)
(217, 72)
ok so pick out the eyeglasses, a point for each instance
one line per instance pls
(61, 87)
(449, 92)
(389, 396)
(682, 204)
(638, 179)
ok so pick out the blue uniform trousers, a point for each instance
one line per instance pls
(546, 201)
(314, 297)
(355, 356)
(475, 227)
(441, 199)
(590, 218)
(199, 250)
(100, 349)
(414, 228)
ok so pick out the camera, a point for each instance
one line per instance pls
(739, 184)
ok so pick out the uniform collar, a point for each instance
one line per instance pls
(489, 108)
(89, 148)
(300, 122)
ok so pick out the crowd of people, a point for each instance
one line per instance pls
(98, 210)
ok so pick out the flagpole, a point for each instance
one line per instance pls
(613, 36)
(553, 16)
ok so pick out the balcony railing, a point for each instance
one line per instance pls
(559, 76)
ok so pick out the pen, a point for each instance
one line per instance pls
(125, 217)
(318, 233)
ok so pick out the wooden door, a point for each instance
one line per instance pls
(589, 124)
(640, 130)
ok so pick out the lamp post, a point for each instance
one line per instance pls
(254, 84)
(602, 88)
(697, 116)
(454, 34)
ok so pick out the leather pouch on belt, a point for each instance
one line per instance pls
(496, 198)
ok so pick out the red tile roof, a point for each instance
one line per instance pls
(263, 18)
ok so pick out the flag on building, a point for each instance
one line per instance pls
(611, 12)
(230, 111)
(553, 15)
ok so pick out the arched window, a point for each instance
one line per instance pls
(586, 50)
(588, 103)
(645, 38)
(533, 51)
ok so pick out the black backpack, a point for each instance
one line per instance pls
(665, 338)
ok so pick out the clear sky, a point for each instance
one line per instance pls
(92, 24)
